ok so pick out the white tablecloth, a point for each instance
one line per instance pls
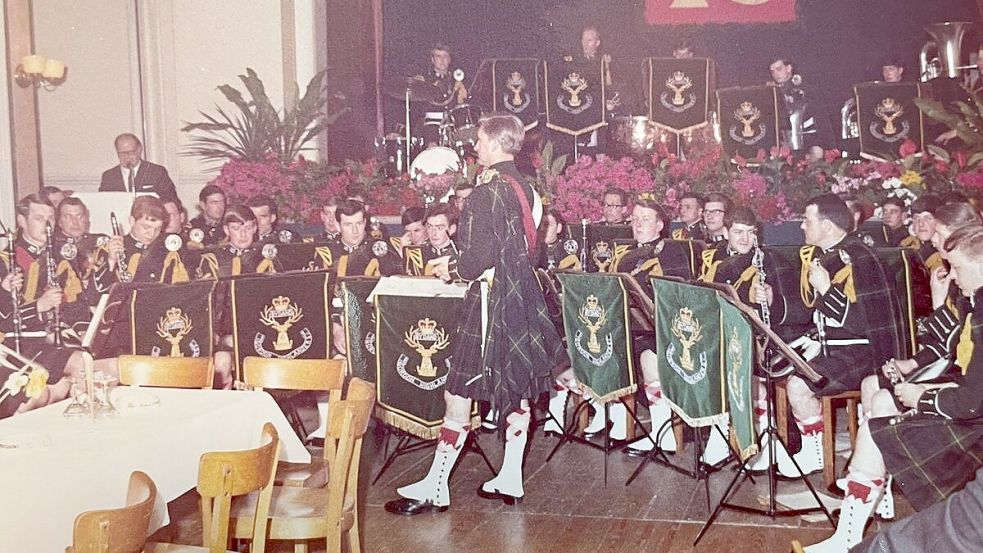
(53, 468)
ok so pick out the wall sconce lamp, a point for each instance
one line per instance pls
(40, 71)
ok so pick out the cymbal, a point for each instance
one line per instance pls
(420, 90)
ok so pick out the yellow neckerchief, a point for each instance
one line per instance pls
(179, 273)
(805, 289)
(678, 234)
(964, 349)
(236, 265)
(413, 257)
(73, 286)
(324, 253)
(845, 277)
(342, 265)
(653, 267)
(911, 242)
(372, 269)
(33, 279)
(134, 262)
(933, 262)
(571, 262)
(265, 266)
(709, 269)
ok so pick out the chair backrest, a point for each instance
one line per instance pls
(348, 421)
(322, 375)
(122, 530)
(225, 474)
(166, 372)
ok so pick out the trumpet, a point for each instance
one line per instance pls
(14, 294)
(53, 325)
(122, 272)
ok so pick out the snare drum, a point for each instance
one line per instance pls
(464, 118)
(391, 149)
(435, 161)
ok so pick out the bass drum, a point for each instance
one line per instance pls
(437, 160)
(633, 136)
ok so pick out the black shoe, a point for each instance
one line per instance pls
(509, 500)
(410, 507)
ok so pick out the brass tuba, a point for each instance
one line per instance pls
(941, 56)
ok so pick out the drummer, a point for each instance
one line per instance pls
(449, 91)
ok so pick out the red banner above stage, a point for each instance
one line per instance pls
(680, 12)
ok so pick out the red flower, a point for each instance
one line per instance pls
(831, 155)
(961, 158)
(740, 160)
(760, 155)
(907, 148)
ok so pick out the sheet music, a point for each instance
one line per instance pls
(418, 287)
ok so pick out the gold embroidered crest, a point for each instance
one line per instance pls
(173, 327)
(424, 332)
(280, 316)
(689, 331)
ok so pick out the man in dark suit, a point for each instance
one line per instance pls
(134, 174)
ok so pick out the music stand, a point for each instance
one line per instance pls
(769, 344)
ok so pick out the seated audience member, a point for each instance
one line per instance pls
(135, 174)
(935, 447)
(715, 208)
(853, 314)
(923, 223)
(615, 206)
(893, 229)
(690, 213)
(243, 254)
(265, 210)
(206, 228)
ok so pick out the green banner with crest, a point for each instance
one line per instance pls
(595, 321)
(690, 357)
(359, 320)
(738, 355)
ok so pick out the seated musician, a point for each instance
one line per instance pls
(72, 236)
(559, 251)
(329, 220)
(414, 220)
(935, 447)
(265, 210)
(54, 195)
(923, 222)
(38, 300)
(243, 254)
(206, 228)
(148, 254)
(893, 229)
(716, 206)
(441, 224)
(853, 314)
(461, 193)
(690, 213)
(352, 252)
(861, 212)
(616, 207)
(937, 345)
(177, 217)
(792, 98)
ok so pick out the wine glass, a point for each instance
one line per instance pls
(78, 408)
(101, 383)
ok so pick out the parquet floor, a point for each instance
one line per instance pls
(567, 508)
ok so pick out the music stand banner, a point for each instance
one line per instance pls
(687, 334)
(595, 321)
(601, 245)
(575, 95)
(749, 120)
(359, 320)
(515, 88)
(172, 322)
(887, 116)
(284, 316)
(414, 339)
(738, 362)
(679, 92)
(303, 256)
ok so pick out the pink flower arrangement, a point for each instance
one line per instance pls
(579, 192)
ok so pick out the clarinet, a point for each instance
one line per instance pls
(122, 272)
(14, 295)
(583, 248)
(53, 326)
(758, 262)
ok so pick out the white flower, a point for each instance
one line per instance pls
(15, 382)
(893, 182)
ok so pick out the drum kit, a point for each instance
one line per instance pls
(448, 135)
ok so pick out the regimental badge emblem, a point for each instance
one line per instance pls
(577, 98)
(686, 328)
(427, 338)
(380, 248)
(571, 246)
(735, 378)
(602, 255)
(281, 315)
(750, 132)
(173, 327)
(518, 100)
(196, 235)
(173, 243)
(486, 176)
(68, 251)
(269, 251)
(885, 128)
(102, 241)
(678, 83)
(285, 236)
(593, 316)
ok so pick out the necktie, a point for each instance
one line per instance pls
(129, 184)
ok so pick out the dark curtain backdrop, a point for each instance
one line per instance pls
(833, 43)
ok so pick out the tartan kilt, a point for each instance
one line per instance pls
(844, 368)
(467, 360)
(930, 457)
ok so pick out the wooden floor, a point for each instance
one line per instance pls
(567, 508)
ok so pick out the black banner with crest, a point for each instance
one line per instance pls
(887, 116)
(515, 88)
(359, 321)
(285, 316)
(575, 95)
(749, 120)
(679, 92)
(172, 321)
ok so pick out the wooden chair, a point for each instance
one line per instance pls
(122, 530)
(852, 400)
(166, 372)
(319, 375)
(227, 475)
(300, 514)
